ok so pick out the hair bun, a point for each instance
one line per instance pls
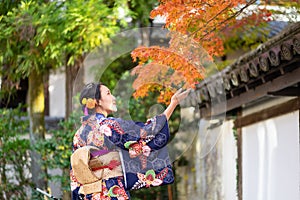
(88, 92)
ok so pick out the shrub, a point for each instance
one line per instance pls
(15, 177)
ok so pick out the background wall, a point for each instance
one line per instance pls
(271, 159)
(57, 95)
(229, 156)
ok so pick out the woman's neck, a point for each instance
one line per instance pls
(101, 111)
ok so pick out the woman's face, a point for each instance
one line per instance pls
(107, 101)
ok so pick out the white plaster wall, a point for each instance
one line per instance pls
(213, 175)
(229, 156)
(57, 94)
(271, 159)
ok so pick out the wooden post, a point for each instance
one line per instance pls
(170, 194)
(239, 159)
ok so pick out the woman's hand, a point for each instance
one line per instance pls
(179, 96)
(175, 100)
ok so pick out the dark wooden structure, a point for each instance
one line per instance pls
(272, 69)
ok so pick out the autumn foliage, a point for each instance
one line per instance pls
(197, 29)
(166, 69)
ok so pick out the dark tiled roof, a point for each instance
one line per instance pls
(270, 29)
(275, 27)
(250, 76)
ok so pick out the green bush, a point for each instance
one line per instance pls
(14, 154)
(56, 150)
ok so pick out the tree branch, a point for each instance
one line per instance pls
(222, 22)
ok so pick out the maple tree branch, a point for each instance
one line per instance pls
(222, 22)
(210, 20)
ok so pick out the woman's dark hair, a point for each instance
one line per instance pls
(90, 90)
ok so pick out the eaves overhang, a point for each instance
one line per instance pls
(273, 68)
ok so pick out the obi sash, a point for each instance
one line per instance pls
(91, 165)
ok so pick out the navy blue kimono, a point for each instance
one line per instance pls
(143, 153)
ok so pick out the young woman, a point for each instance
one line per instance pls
(112, 156)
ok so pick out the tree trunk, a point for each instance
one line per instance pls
(71, 73)
(145, 34)
(36, 104)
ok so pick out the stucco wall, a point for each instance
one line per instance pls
(57, 94)
(271, 159)
(211, 169)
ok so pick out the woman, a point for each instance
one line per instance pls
(111, 155)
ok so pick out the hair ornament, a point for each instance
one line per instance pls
(89, 102)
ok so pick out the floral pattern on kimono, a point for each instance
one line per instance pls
(135, 140)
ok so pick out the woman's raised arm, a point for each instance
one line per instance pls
(175, 100)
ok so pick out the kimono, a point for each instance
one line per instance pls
(142, 150)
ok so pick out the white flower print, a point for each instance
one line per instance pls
(104, 129)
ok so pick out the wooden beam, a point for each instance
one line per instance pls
(274, 111)
(287, 80)
(279, 83)
(239, 160)
(289, 91)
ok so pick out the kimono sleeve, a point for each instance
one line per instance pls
(125, 133)
(144, 154)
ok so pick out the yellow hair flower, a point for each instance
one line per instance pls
(89, 103)
(83, 101)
